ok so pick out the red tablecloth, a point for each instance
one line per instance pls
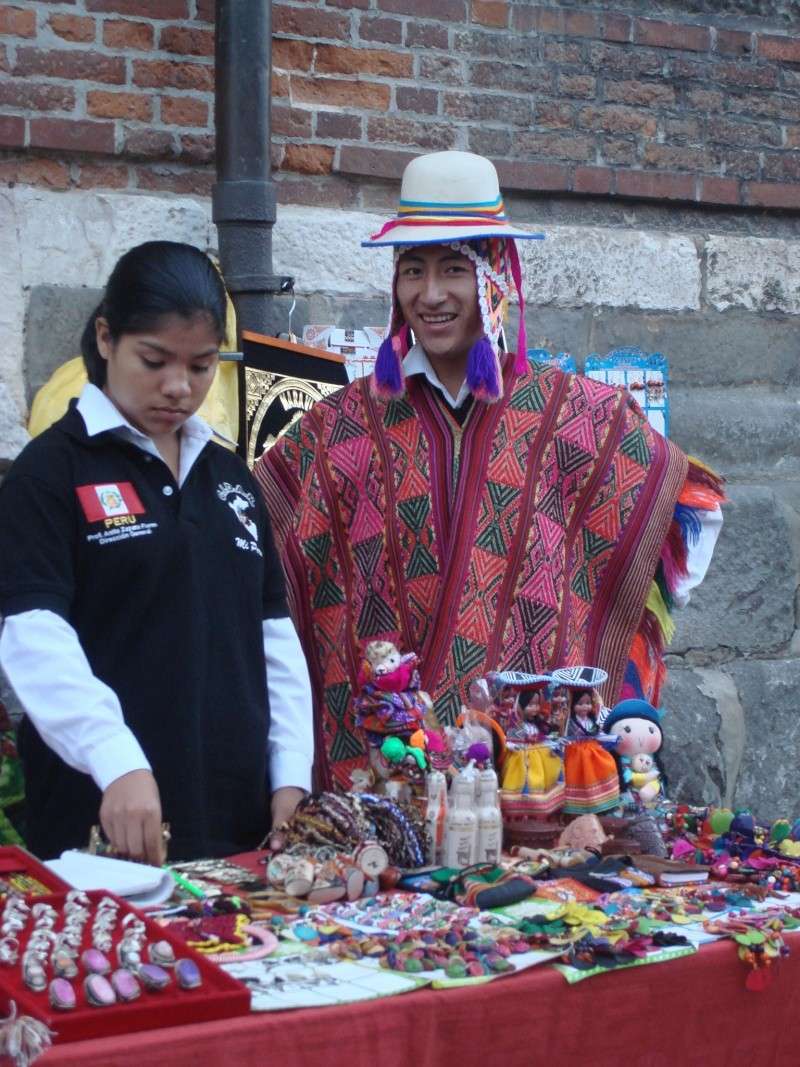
(690, 1011)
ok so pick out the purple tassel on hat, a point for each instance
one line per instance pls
(388, 376)
(483, 371)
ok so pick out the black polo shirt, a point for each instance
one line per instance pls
(167, 588)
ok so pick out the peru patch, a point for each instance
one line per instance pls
(108, 500)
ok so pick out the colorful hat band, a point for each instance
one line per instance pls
(423, 213)
(432, 220)
(488, 209)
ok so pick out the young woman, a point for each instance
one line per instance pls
(142, 597)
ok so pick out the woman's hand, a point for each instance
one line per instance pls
(284, 801)
(130, 815)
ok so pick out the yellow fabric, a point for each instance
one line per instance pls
(533, 769)
(220, 408)
(639, 779)
(655, 603)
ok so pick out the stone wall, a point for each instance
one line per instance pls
(724, 309)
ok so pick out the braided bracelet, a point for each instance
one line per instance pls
(267, 942)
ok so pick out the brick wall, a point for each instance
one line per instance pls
(116, 94)
(565, 98)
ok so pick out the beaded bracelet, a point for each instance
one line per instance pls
(344, 821)
(266, 943)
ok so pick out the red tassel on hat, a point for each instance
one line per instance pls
(521, 361)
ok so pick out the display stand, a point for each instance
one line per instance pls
(279, 381)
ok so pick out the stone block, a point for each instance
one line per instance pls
(757, 273)
(573, 267)
(553, 328)
(745, 605)
(748, 433)
(321, 249)
(13, 435)
(355, 311)
(54, 321)
(580, 265)
(704, 736)
(768, 692)
(705, 347)
(12, 302)
(80, 245)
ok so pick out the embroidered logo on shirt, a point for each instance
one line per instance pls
(241, 502)
(116, 506)
(109, 501)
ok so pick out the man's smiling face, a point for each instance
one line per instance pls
(437, 294)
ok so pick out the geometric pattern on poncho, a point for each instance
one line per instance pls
(502, 567)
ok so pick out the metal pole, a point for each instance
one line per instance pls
(243, 198)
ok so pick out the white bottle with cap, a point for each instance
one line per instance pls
(486, 785)
(462, 824)
(436, 815)
(490, 826)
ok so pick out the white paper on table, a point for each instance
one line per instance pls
(139, 883)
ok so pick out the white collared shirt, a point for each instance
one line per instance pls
(86, 726)
(417, 362)
(101, 415)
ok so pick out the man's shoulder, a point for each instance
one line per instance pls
(572, 384)
(326, 412)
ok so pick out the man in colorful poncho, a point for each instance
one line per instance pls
(468, 505)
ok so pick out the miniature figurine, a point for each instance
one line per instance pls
(532, 771)
(590, 773)
(645, 779)
(391, 709)
(637, 724)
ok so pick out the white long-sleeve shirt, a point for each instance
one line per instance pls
(81, 718)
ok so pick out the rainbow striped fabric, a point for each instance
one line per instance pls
(487, 209)
(429, 213)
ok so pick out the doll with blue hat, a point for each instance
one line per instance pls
(637, 724)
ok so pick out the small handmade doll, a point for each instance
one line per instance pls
(530, 723)
(591, 782)
(391, 700)
(559, 708)
(637, 724)
(391, 705)
(532, 771)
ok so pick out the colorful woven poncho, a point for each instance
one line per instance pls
(528, 538)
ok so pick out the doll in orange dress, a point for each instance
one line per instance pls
(591, 782)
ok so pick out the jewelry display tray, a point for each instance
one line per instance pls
(219, 997)
(16, 860)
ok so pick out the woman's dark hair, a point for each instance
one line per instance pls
(150, 281)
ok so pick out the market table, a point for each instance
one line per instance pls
(691, 1010)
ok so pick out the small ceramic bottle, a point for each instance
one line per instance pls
(486, 786)
(462, 825)
(490, 828)
(436, 815)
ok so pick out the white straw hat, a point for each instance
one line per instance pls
(448, 196)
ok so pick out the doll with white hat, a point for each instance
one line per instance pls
(591, 784)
